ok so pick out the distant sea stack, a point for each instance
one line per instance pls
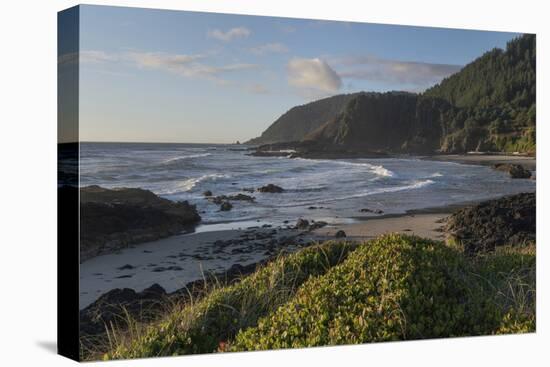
(488, 106)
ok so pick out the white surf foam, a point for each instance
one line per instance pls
(190, 183)
(382, 190)
(185, 157)
(378, 170)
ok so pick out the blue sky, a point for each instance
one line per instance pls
(174, 76)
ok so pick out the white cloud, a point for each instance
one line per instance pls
(229, 35)
(87, 57)
(186, 65)
(417, 74)
(190, 66)
(313, 76)
(275, 47)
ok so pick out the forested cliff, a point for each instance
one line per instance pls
(489, 105)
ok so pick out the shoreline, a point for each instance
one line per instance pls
(177, 260)
(528, 162)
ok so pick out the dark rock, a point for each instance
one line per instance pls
(112, 219)
(340, 234)
(317, 224)
(514, 170)
(126, 267)
(226, 206)
(207, 193)
(241, 197)
(271, 188)
(124, 276)
(375, 211)
(109, 307)
(510, 220)
(302, 223)
(238, 197)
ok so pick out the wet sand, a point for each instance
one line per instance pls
(486, 159)
(175, 261)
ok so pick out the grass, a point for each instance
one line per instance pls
(200, 326)
(395, 287)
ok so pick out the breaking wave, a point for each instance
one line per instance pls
(185, 157)
(190, 183)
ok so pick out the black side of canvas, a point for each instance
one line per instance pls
(67, 184)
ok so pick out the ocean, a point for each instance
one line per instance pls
(328, 190)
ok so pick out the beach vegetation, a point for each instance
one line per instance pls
(395, 287)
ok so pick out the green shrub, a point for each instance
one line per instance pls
(202, 326)
(395, 288)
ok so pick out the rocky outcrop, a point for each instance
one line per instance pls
(112, 219)
(109, 309)
(510, 220)
(238, 197)
(514, 170)
(271, 188)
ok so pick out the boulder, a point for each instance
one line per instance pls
(226, 206)
(207, 193)
(302, 224)
(340, 234)
(514, 170)
(271, 188)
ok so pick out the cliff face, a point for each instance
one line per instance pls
(487, 106)
(390, 122)
(297, 122)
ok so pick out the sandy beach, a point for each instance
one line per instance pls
(424, 225)
(175, 261)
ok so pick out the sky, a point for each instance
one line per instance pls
(174, 76)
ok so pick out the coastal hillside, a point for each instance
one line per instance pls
(297, 122)
(393, 121)
(487, 106)
(495, 96)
